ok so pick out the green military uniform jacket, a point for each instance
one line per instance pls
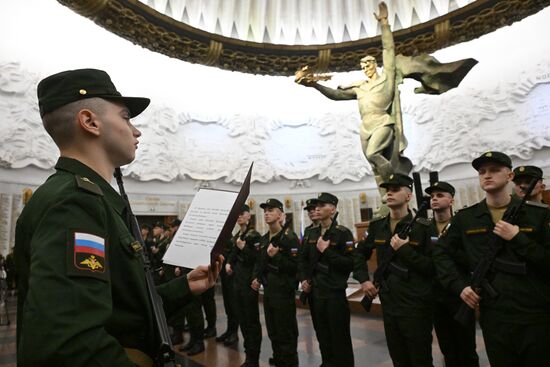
(329, 270)
(412, 296)
(242, 261)
(522, 298)
(279, 271)
(82, 291)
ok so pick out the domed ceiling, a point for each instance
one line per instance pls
(277, 37)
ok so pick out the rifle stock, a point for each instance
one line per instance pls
(479, 276)
(165, 353)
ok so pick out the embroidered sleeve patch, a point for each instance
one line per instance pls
(87, 256)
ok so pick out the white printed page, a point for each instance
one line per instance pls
(200, 228)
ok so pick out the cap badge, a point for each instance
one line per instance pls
(82, 92)
(318, 196)
(521, 169)
(437, 183)
(391, 177)
(489, 154)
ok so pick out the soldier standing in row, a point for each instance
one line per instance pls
(276, 268)
(457, 342)
(326, 266)
(406, 289)
(241, 264)
(230, 335)
(516, 321)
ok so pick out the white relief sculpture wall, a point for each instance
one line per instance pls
(205, 126)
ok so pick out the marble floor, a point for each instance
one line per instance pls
(367, 331)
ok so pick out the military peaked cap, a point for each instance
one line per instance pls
(496, 157)
(74, 85)
(441, 186)
(398, 179)
(272, 203)
(328, 198)
(529, 171)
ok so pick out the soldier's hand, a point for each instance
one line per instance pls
(396, 242)
(470, 297)
(505, 230)
(228, 269)
(306, 286)
(322, 245)
(204, 277)
(177, 271)
(154, 249)
(369, 289)
(255, 285)
(272, 250)
(240, 243)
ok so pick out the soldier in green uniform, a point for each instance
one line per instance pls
(230, 336)
(276, 269)
(241, 264)
(159, 244)
(406, 290)
(456, 341)
(326, 266)
(82, 298)
(523, 176)
(516, 321)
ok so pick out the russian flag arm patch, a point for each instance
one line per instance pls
(87, 255)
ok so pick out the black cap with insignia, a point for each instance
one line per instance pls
(74, 85)
(495, 157)
(158, 224)
(529, 171)
(398, 179)
(175, 223)
(328, 198)
(441, 186)
(272, 203)
(310, 204)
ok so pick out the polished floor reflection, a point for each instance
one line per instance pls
(369, 343)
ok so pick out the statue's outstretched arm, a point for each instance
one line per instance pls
(388, 46)
(335, 94)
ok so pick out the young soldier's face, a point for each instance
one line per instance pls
(144, 232)
(312, 214)
(397, 196)
(120, 137)
(324, 211)
(522, 183)
(440, 200)
(157, 231)
(243, 218)
(272, 215)
(494, 177)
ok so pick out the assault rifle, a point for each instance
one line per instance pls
(490, 261)
(249, 227)
(165, 355)
(381, 272)
(314, 257)
(275, 242)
